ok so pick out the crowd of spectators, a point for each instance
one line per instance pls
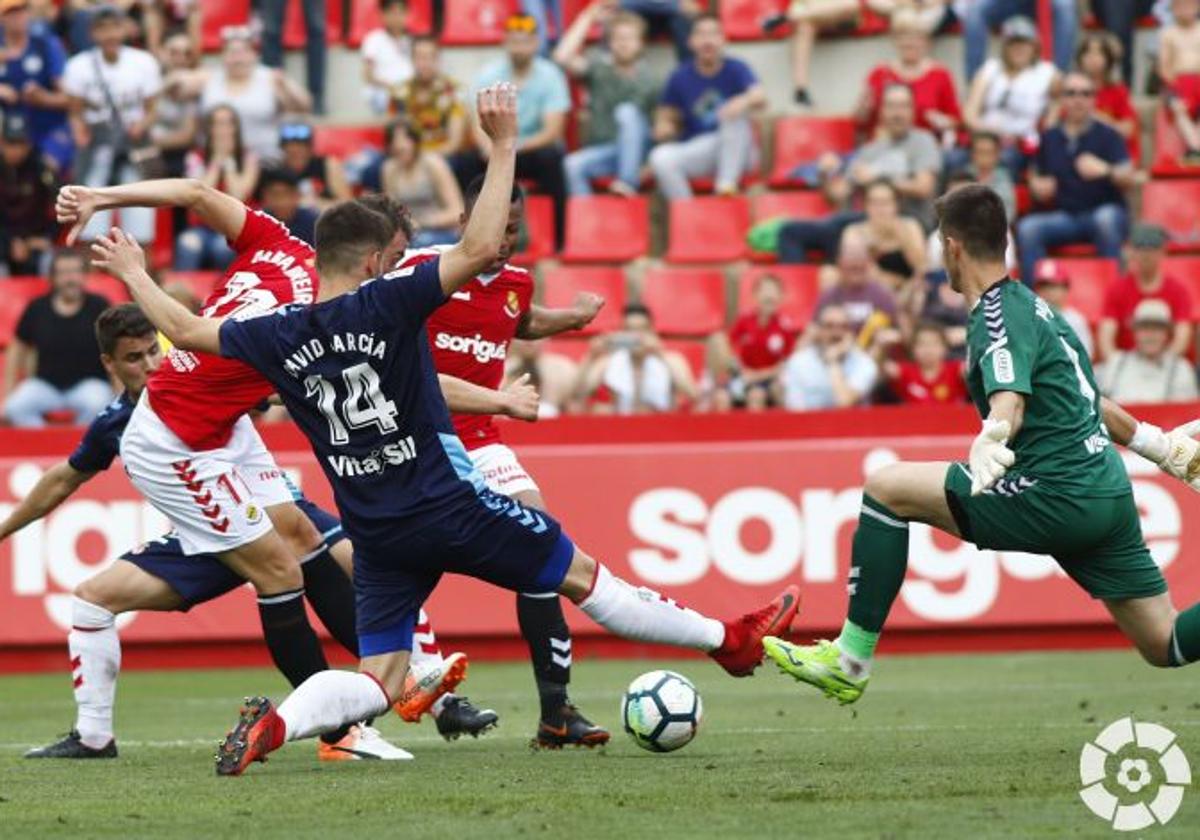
(105, 94)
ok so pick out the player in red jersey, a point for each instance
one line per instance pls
(470, 335)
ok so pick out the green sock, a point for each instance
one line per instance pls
(878, 561)
(1185, 638)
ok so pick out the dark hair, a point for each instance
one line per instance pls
(61, 254)
(974, 215)
(1110, 45)
(637, 309)
(426, 39)
(347, 232)
(383, 4)
(991, 136)
(929, 326)
(887, 184)
(891, 86)
(405, 125)
(394, 211)
(471, 193)
(709, 16)
(239, 148)
(275, 175)
(126, 320)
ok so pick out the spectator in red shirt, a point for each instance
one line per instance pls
(931, 378)
(935, 99)
(1099, 58)
(1145, 280)
(752, 355)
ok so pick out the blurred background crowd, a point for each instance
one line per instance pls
(758, 246)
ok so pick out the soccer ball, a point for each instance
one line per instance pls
(661, 710)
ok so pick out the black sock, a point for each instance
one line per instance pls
(545, 630)
(290, 638)
(332, 597)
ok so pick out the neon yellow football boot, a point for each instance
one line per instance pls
(818, 665)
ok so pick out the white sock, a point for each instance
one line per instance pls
(95, 662)
(644, 615)
(425, 650)
(329, 699)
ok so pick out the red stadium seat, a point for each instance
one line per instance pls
(476, 22)
(1168, 149)
(365, 16)
(1174, 205)
(162, 250)
(200, 282)
(346, 141)
(215, 15)
(1091, 279)
(1187, 271)
(801, 289)
(607, 228)
(800, 204)
(804, 139)
(742, 19)
(295, 36)
(107, 287)
(561, 285)
(539, 225)
(708, 229)
(17, 292)
(685, 301)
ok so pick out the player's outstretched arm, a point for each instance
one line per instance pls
(120, 255)
(54, 487)
(496, 108)
(540, 322)
(517, 399)
(1176, 452)
(223, 213)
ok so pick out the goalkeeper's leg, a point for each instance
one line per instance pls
(1165, 637)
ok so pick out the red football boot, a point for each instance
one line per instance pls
(259, 730)
(742, 651)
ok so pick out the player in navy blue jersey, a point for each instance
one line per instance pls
(356, 373)
(159, 577)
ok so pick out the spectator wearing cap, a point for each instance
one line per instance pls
(53, 363)
(703, 120)
(1145, 280)
(1052, 283)
(322, 178)
(315, 51)
(831, 371)
(981, 16)
(260, 94)
(32, 60)
(543, 102)
(387, 55)
(1011, 93)
(279, 194)
(1082, 173)
(1149, 372)
(224, 164)
(27, 191)
(622, 92)
(749, 359)
(113, 90)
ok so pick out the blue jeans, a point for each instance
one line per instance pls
(1105, 227)
(542, 11)
(428, 237)
(623, 157)
(199, 248)
(28, 404)
(664, 16)
(796, 239)
(984, 15)
(314, 43)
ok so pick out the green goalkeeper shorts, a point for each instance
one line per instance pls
(1097, 541)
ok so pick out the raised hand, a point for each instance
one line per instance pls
(496, 108)
(75, 206)
(119, 254)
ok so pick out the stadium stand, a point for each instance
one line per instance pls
(686, 302)
(364, 16)
(803, 139)
(1091, 278)
(539, 227)
(801, 288)
(561, 285)
(707, 229)
(1174, 204)
(604, 228)
(475, 22)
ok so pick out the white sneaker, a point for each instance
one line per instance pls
(362, 742)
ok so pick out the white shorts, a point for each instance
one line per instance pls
(216, 498)
(501, 470)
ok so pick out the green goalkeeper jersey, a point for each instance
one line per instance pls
(1016, 342)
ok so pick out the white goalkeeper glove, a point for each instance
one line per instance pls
(990, 456)
(1177, 452)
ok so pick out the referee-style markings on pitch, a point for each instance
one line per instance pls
(1133, 775)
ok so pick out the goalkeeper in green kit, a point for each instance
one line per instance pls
(1042, 476)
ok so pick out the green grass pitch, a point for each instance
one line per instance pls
(940, 746)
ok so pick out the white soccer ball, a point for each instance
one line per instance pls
(661, 711)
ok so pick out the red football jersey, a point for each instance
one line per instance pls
(948, 386)
(761, 345)
(470, 335)
(198, 396)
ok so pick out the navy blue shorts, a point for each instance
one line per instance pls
(202, 577)
(489, 537)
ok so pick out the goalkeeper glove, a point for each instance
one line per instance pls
(990, 457)
(1177, 452)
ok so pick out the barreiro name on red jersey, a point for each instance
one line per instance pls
(199, 396)
(470, 335)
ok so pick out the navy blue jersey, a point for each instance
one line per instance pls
(102, 440)
(357, 375)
